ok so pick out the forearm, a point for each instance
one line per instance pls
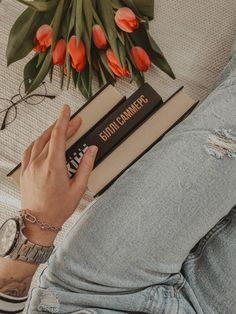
(15, 281)
(15, 275)
(51, 196)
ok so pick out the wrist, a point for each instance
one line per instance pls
(38, 236)
(37, 231)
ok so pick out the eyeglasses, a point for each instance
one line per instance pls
(8, 107)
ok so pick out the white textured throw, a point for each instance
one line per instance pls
(196, 37)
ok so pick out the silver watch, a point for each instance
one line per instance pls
(14, 244)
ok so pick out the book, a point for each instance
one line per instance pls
(134, 144)
(96, 108)
(115, 127)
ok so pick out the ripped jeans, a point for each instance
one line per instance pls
(162, 238)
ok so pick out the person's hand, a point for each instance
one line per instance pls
(46, 188)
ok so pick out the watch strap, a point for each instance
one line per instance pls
(25, 250)
(32, 253)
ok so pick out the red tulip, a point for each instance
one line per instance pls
(59, 52)
(99, 37)
(114, 65)
(140, 58)
(77, 54)
(126, 20)
(43, 38)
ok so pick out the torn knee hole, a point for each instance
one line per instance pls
(49, 301)
(222, 143)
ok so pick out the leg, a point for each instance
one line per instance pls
(141, 230)
(210, 268)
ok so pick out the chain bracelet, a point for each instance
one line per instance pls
(26, 214)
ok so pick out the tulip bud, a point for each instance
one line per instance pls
(77, 54)
(126, 20)
(140, 58)
(59, 52)
(114, 64)
(43, 38)
(99, 37)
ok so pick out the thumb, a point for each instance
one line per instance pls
(80, 180)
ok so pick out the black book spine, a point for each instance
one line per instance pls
(114, 128)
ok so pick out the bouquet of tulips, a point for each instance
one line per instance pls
(109, 38)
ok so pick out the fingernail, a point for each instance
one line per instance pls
(64, 108)
(93, 149)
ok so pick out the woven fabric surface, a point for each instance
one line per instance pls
(196, 37)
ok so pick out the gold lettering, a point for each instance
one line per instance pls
(128, 114)
(114, 126)
(108, 131)
(144, 99)
(123, 117)
(120, 121)
(135, 105)
(103, 136)
(130, 111)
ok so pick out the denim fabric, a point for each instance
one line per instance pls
(210, 268)
(131, 251)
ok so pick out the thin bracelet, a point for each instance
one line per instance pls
(27, 215)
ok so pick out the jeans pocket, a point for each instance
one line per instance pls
(197, 250)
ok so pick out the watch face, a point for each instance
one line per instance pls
(8, 236)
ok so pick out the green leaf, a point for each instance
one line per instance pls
(122, 54)
(141, 7)
(79, 20)
(145, 7)
(117, 4)
(103, 59)
(62, 76)
(51, 73)
(71, 12)
(136, 76)
(154, 45)
(97, 19)
(57, 22)
(101, 75)
(99, 78)
(23, 31)
(66, 22)
(87, 30)
(71, 18)
(132, 6)
(86, 77)
(39, 5)
(82, 89)
(107, 17)
(43, 71)
(158, 58)
(30, 71)
(41, 58)
(121, 37)
(84, 81)
(46, 65)
(108, 76)
(141, 38)
(68, 70)
(75, 76)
